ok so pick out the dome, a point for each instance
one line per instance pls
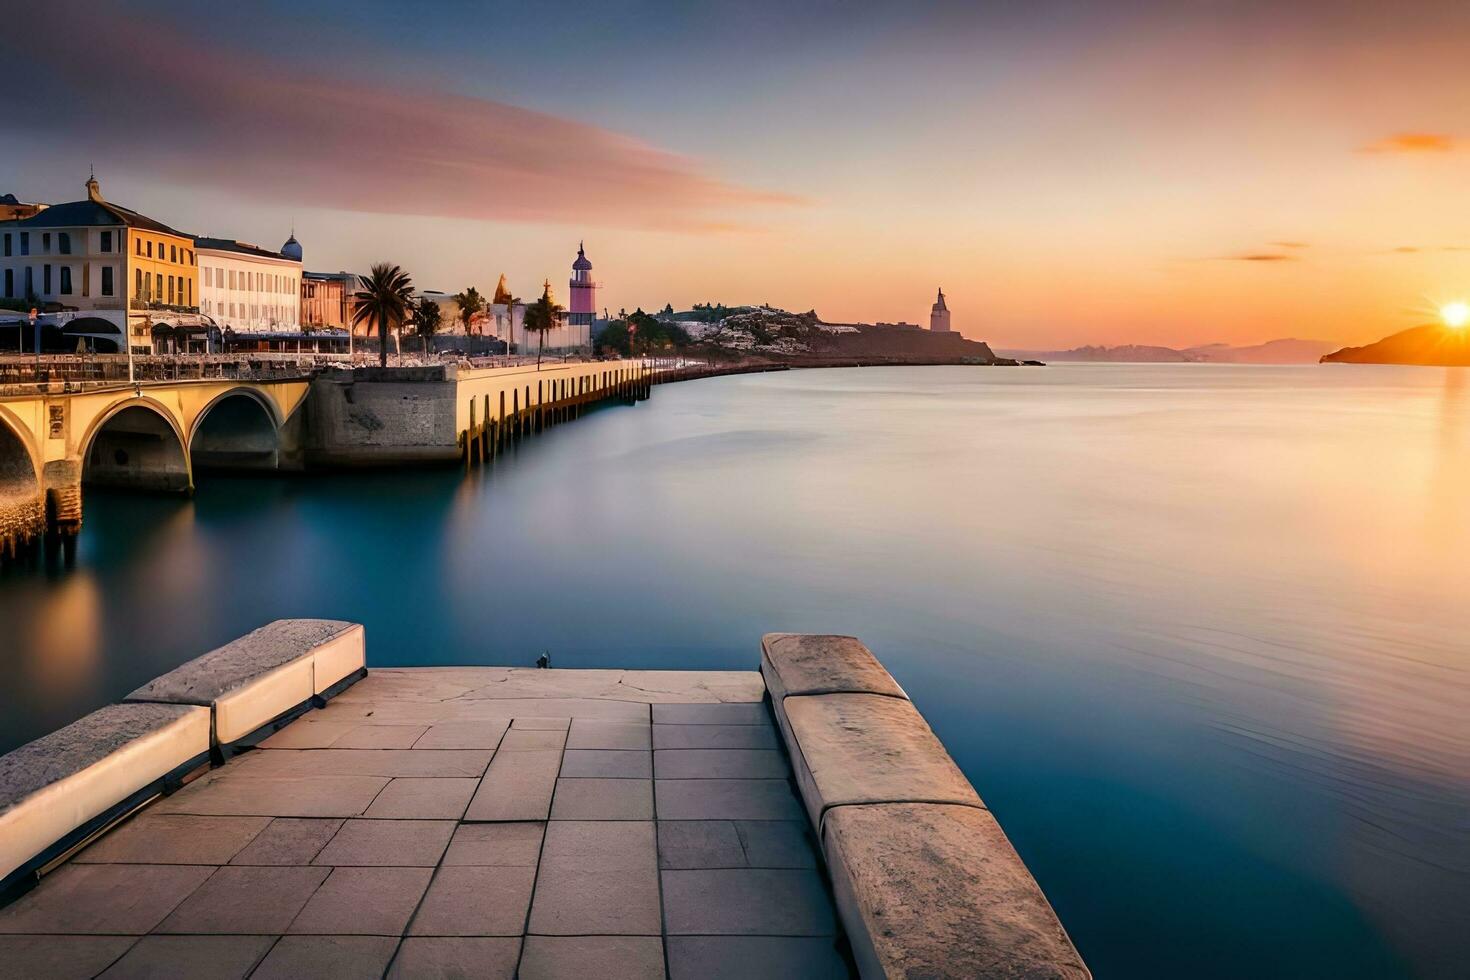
(582, 264)
(292, 249)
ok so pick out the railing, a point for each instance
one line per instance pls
(60, 374)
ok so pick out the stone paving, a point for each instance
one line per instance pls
(463, 822)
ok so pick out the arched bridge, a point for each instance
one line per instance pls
(148, 436)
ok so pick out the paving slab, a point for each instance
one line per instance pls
(308, 732)
(542, 724)
(309, 796)
(868, 748)
(387, 843)
(581, 957)
(162, 838)
(719, 764)
(195, 957)
(715, 737)
(725, 799)
(456, 958)
(751, 713)
(518, 786)
(930, 890)
(112, 899)
(594, 734)
(464, 735)
(606, 764)
(747, 901)
(531, 739)
(603, 799)
(246, 901)
(807, 663)
(59, 957)
(475, 901)
(420, 798)
(699, 844)
(777, 843)
(495, 845)
(360, 762)
(288, 841)
(364, 902)
(380, 737)
(755, 958)
(597, 878)
(327, 958)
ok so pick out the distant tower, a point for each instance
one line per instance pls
(939, 315)
(584, 291)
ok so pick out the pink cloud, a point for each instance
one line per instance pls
(209, 117)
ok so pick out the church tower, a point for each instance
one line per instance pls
(584, 291)
(939, 315)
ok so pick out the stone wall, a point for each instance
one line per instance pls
(373, 417)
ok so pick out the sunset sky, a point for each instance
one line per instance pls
(1071, 173)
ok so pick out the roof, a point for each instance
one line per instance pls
(89, 213)
(244, 248)
(8, 199)
(582, 264)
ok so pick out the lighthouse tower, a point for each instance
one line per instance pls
(584, 291)
(939, 315)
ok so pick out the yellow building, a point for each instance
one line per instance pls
(95, 268)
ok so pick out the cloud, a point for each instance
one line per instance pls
(1291, 244)
(1415, 143)
(165, 104)
(1260, 257)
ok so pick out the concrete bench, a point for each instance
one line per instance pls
(925, 881)
(264, 678)
(61, 789)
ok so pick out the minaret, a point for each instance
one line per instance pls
(583, 309)
(939, 315)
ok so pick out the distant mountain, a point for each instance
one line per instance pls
(1431, 345)
(1287, 351)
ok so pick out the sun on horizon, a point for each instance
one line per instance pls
(1455, 315)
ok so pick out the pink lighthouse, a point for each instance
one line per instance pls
(584, 291)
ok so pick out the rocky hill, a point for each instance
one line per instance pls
(1430, 345)
(799, 337)
(1286, 351)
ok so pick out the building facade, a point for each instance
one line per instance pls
(939, 315)
(583, 308)
(121, 272)
(249, 289)
(327, 300)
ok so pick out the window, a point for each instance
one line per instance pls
(140, 286)
(63, 242)
(158, 284)
(170, 290)
(66, 280)
(138, 244)
(30, 282)
(25, 243)
(86, 279)
(150, 250)
(106, 241)
(189, 295)
(107, 280)
(46, 280)
(173, 253)
(45, 242)
(7, 243)
(9, 280)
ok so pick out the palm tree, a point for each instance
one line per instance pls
(541, 316)
(470, 302)
(426, 317)
(384, 299)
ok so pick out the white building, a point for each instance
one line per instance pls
(248, 288)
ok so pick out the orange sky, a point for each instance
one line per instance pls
(1173, 174)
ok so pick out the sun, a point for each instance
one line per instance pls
(1456, 314)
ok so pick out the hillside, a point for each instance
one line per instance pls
(798, 337)
(1286, 351)
(1431, 345)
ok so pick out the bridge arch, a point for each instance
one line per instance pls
(136, 444)
(238, 429)
(22, 515)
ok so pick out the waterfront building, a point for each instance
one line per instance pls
(248, 289)
(100, 271)
(939, 315)
(583, 307)
(327, 301)
(508, 323)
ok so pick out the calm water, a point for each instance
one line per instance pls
(1197, 633)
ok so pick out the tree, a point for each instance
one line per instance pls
(426, 317)
(384, 300)
(470, 302)
(541, 316)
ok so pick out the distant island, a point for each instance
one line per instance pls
(1431, 346)
(767, 333)
(1286, 351)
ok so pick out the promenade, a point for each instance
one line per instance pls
(463, 822)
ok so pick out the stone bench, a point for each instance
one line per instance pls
(62, 788)
(925, 881)
(265, 678)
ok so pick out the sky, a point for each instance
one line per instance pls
(1070, 173)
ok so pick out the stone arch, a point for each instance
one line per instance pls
(238, 430)
(137, 445)
(22, 514)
